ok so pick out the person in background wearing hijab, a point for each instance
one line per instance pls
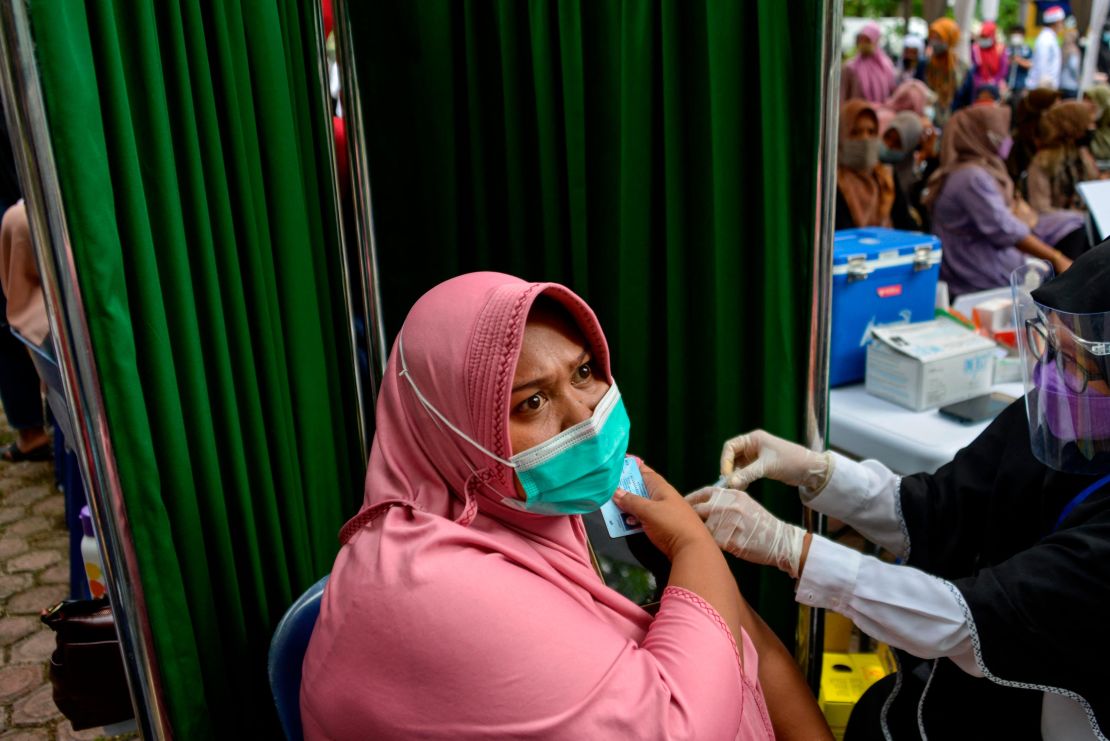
(990, 62)
(1098, 97)
(1047, 59)
(464, 603)
(911, 95)
(898, 149)
(947, 74)
(986, 94)
(999, 605)
(913, 59)
(1020, 57)
(1027, 130)
(865, 192)
(1062, 162)
(871, 66)
(975, 211)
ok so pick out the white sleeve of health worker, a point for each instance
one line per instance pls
(865, 495)
(899, 605)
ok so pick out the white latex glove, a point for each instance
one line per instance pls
(760, 454)
(743, 528)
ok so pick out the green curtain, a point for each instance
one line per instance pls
(191, 148)
(659, 157)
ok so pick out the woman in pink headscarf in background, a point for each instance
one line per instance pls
(461, 607)
(872, 67)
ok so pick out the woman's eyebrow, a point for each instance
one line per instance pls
(540, 379)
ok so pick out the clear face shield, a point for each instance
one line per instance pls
(1065, 362)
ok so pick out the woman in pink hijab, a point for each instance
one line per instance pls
(462, 607)
(872, 67)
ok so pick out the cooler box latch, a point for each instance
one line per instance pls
(858, 268)
(922, 257)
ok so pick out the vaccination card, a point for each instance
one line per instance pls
(621, 523)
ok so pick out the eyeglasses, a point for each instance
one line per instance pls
(1076, 376)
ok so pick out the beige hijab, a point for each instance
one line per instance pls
(870, 194)
(972, 137)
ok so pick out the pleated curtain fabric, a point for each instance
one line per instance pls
(659, 157)
(191, 147)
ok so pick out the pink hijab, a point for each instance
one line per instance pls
(451, 615)
(875, 72)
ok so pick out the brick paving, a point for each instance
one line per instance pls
(34, 573)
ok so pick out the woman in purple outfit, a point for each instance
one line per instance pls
(985, 229)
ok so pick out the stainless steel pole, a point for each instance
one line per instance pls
(811, 621)
(355, 309)
(30, 138)
(357, 134)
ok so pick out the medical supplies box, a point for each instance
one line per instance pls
(927, 365)
(844, 679)
(881, 277)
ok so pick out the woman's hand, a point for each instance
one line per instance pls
(669, 522)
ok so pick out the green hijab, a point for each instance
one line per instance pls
(1100, 142)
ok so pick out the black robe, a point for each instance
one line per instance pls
(1038, 596)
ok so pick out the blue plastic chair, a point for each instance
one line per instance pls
(287, 651)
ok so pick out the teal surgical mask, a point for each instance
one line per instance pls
(572, 473)
(890, 156)
(578, 470)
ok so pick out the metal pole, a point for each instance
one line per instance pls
(354, 117)
(365, 409)
(811, 622)
(27, 126)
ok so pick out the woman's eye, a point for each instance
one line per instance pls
(531, 404)
(585, 371)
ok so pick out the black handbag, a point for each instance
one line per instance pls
(86, 668)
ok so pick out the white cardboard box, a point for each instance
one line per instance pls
(928, 364)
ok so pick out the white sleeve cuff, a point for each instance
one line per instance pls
(865, 495)
(829, 577)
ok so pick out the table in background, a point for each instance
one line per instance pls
(865, 426)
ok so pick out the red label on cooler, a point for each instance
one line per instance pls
(890, 291)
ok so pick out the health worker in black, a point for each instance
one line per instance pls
(1000, 605)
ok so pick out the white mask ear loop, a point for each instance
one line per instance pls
(428, 406)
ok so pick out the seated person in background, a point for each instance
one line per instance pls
(1098, 97)
(984, 228)
(865, 192)
(986, 94)
(911, 95)
(899, 150)
(464, 603)
(1062, 162)
(1027, 130)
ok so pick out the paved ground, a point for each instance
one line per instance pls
(34, 573)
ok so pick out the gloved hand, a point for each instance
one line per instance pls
(759, 454)
(742, 527)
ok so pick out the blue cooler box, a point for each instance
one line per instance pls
(880, 276)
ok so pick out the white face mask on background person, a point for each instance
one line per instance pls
(860, 155)
(1017, 40)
